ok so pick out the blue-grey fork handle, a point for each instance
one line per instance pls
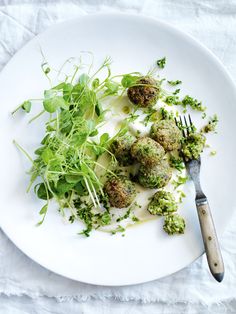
(210, 239)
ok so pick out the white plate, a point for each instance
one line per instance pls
(146, 252)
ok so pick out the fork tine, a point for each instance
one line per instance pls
(186, 124)
(191, 123)
(181, 123)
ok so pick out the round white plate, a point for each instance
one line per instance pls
(146, 252)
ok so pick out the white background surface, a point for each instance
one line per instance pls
(213, 23)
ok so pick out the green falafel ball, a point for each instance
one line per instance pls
(147, 151)
(120, 190)
(145, 93)
(156, 176)
(193, 145)
(120, 147)
(174, 224)
(162, 204)
(166, 133)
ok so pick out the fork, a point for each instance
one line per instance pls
(208, 231)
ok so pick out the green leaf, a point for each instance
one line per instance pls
(59, 86)
(26, 106)
(42, 192)
(63, 186)
(50, 128)
(78, 139)
(129, 80)
(104, 138)
(79, 188)
(91, 125)
(52, 104)
(43, 210)
(105, 219)
(83, 79)
(98, 109)
(39, 150)
(44, 140)
(95, 83)
(65, 121)
(112, 88)
(47, 155)
(93, 133)
(67, 90)
(49, 93)
(73, 178)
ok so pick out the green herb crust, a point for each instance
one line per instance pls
(167, 134)
(120, 190)
(147, 151)
(193, 145)
(162, 204)
(121, 147)
(174, 224)
(155, 177)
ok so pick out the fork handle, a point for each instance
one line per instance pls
(210, 239)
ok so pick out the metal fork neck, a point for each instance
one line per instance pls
(200, 196)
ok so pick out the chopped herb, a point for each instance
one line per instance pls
(174, 224)
(161, 63)
(193, 103)
(125, 216)
(181, 196)
(132, 116)
(211, 125)
(72, 218)
(134, 218)
(118, 229)
(172, 100)
(193, 145)
(213, 152)
(180, 180)
(177, 163)
(176, 91)
(162, 203)
(151, 116)
(165, 114)
(174, 83)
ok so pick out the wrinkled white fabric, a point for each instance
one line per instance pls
(214, 24)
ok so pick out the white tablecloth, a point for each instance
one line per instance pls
(26, 287)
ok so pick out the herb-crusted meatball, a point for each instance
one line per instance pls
(120, 190)
(162, 204)
(145, 93)
(193, 145)
(147, 151)
(155, 177)
(167, 134)
(120, 147)
(174, 224)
